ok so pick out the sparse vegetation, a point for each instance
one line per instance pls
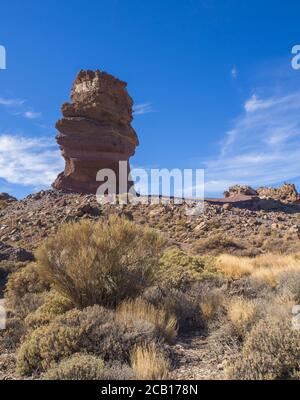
(216, 244)
(100, 263)
(271, 351)
(178, 269)
(164, 322)
(77, 367)
(94, 330)
(148, 362)
(242, 313)
(106, 300)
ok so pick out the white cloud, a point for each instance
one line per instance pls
(144, 108)
(31, 114)
(11, 102)
(18, 109)
(234, 72)
(29, 161)
(263, 146)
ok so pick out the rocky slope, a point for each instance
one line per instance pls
(236, 224)
(25, 223)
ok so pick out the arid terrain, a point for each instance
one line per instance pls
(215, 300)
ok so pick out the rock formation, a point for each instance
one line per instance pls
(95, 132)
(237, 190)
(287, 193)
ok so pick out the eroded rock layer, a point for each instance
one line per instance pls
(95, 132)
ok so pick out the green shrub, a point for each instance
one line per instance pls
(271, 351)
(100, 263)
(178, 269)
(93, 330)
(55, 304)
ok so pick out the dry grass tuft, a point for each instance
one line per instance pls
(210, 303)
(148, 362)
(165, 322)
(267, 268)
(233, 266)
(242, 313)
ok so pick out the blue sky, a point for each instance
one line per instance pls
(212, 82)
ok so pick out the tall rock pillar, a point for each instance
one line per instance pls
(95, 131)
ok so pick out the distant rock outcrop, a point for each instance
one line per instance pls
(287, 193)
(96, 131)
(7, 197)
(237, 190)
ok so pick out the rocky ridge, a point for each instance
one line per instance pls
(25, 223)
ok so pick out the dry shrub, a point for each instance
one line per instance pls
(87, 367)
(148, 362)
(100, 263)
(55, 304)
(182, 305)
(93, 330)
(216, 244)
(8, 267)
(271, 351)
(77, 367)
(210, 303)
(11, 336)
(178, 269)
(165, 323)
(289, 286)
(25, 290)
(242, 313)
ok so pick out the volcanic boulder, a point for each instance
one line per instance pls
(96, 131)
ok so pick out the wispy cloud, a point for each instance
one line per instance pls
(31, 114)
(234, 72)
(263, 146)
(143, 108)
(18, 107)
(11, 102)
(29, 161)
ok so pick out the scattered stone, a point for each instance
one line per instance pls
(7, 197)
(227, 206)
(9, 253)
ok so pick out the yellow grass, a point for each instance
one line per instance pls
(149, 363)
(233, 266)
(242, 313)
(210, 304)
(164, 321)
(267, 267)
